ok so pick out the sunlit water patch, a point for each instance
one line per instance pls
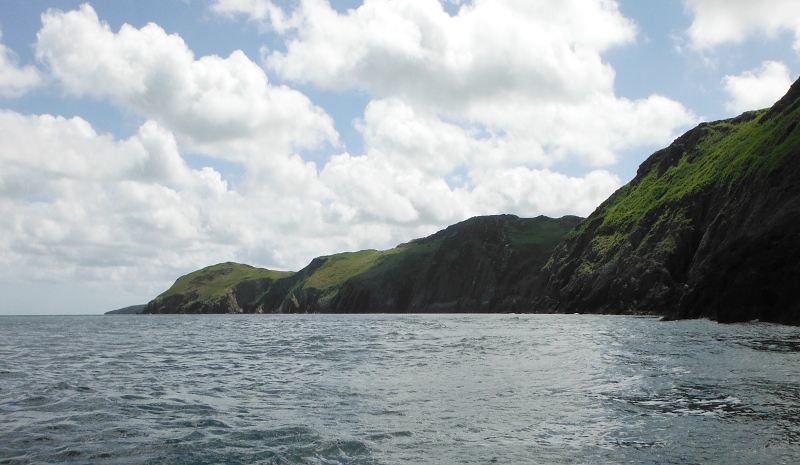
(386, 389)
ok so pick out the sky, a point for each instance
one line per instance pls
(143, 140)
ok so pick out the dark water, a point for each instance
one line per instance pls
(388, 389)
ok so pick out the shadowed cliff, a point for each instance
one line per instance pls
(709, 227)
(484, 264)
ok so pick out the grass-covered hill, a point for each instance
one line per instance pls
(484, 264)
(709, 227)
(224, 288)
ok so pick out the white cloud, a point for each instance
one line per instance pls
(223, 106)
(490, 49)
(530, 73)
(81, 207)
(421, 170)
(758, 88)
(15, 80)
(75, 203)
(717, 22)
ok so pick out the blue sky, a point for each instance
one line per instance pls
(140, 141)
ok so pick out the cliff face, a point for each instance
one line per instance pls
(223, 288)
(485, 264)
(709, 227)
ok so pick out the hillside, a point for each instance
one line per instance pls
(709, 227)
(223, 288)
(484, 264)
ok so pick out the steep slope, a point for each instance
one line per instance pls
(484, 264)
(709, 227)
(223, 288)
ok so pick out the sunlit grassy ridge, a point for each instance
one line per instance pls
(726, 152)
(710, 226)
(215, 281)
(340, 267)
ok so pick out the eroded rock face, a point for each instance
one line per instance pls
(710, 227)
(485, 264)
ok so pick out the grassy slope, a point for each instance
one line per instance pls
(461, 253)
(215, 281)
(666, 207)
(326, 281)
(728, 151)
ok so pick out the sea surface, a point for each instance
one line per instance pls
(396, 389)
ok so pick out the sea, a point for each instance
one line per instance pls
(396, 389)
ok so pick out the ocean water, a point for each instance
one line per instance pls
(396, 389)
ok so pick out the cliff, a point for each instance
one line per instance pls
(132, 310)
(484, 264)
(709, 227)
(224, 288)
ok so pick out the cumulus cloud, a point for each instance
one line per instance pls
(223, 106)
(419, 169)
(74, 201)
(15, 80)
(717, 22)
(418, 51)
(758, 88)
(82, 207)
(531, 72)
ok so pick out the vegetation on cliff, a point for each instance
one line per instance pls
(223, 288)
(484, 264)
(710, 226)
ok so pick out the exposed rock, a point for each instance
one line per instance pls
(710, 227)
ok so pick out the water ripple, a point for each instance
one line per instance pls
(385, 389)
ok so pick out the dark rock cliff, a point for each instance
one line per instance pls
(709, 227)
(484, 264)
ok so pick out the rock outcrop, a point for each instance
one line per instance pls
(709, 227)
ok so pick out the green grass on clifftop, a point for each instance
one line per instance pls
(727, 151)
(216, 280)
